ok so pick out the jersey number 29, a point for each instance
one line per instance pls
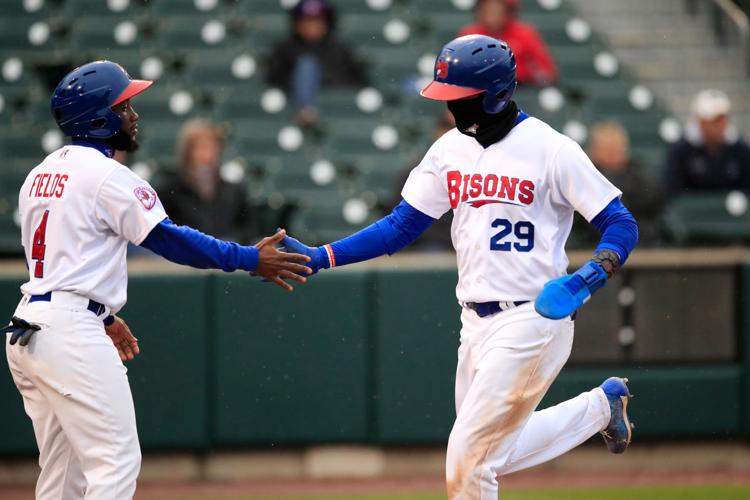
(39, 248)
(523, 231)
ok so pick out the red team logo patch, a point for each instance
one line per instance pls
(146, 196)
(441, 68)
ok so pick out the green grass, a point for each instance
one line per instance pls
(650, 493)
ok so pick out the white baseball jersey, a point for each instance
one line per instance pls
(79, 209)
(512, 204)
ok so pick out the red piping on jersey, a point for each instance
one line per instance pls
(481, 203)
(331, 256)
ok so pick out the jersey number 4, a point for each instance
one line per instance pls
(39, 248)
(523, 231)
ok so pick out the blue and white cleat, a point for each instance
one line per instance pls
(619, 431)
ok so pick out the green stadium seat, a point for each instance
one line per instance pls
(444, 26)
(211, 71)
(27, 37)
(446, 7)
(264, 30)
(172, 8)
(98, 33)
(368, 29)
(157, 142)
(297, 186)
(325, 222)
(652, 157)
(393, 68)
(21, 144)
(260, 7)
(260, 136)
(355, 135)
(72, 9)
(184, 34)
(384, 184)
(697, 218)
(392, 162)
(339, 103)
(10, 233)
(17, 10)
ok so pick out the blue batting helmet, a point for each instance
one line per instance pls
(470, 65)
(82, 101)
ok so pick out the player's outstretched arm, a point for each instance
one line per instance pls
(187, 246)
(387, 236)
(561, 297)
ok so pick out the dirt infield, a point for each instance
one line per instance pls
(536, 480)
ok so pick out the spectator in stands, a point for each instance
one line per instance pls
(197, 196)
(499, 19)
(711, 155)
(311, 58)
(609, 151)
(438, 236)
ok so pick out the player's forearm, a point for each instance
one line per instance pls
(618, 228)
(187, 246)
(387, 236)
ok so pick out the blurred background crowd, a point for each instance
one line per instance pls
(306, 114)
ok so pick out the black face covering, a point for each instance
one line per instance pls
(474, 121)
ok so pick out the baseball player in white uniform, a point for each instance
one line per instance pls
(513, 184)
(79, 209)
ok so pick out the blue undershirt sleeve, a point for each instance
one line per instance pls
(188, 246)
(618, 228)
(387, 236)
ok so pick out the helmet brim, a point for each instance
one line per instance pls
(440, 91)
(135, 87)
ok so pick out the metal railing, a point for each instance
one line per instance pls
(730, 25)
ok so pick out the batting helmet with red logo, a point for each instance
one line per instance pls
(471, 65)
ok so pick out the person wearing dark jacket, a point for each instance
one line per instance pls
(311, 58)
(711, 156)
(609, 150)
(197, 196)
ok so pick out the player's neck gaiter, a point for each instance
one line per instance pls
(474, 121)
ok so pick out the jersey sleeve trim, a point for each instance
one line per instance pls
(147, 230)
(435, 214)
(606, 200)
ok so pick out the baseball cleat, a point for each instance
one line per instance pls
(619, 431)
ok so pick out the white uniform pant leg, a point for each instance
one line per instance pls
(73, 363)
(61, 476)
(553, 431)
(514, 356)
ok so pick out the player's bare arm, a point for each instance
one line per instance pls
(126, 343)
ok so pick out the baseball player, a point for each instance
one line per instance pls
(79, 209)
(513, 184)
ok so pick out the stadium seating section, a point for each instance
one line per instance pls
(208, 59)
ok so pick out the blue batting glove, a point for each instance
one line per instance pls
(318, 256)
(561, 297)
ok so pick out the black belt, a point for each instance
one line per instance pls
(94, 306)
(484, 309)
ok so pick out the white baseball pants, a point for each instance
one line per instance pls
(506, 363)
(75, 390)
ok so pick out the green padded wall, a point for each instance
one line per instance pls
(670, 402)
(169, 380)
(417, 323)
(744, 304)
(16, 434)
(291, 368)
